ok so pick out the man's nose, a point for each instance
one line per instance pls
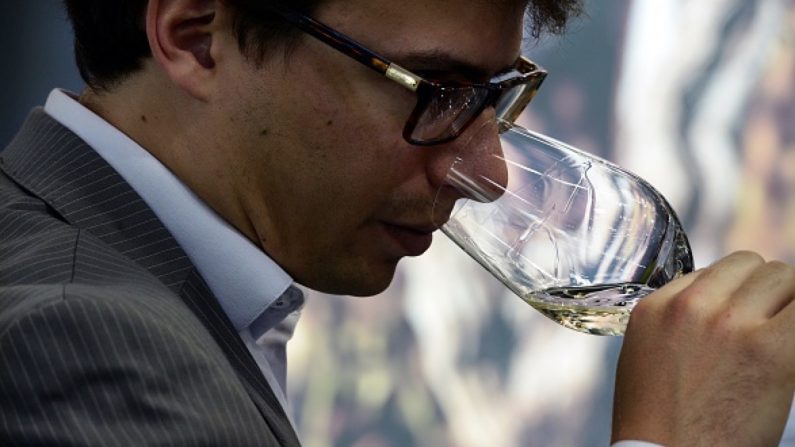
(472, 166)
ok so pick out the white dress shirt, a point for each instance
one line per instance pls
(256, 294)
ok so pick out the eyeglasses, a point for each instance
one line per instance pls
(444, 109)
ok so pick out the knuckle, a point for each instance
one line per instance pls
(642, 310)
(744, 260)
(777, 275)
(641, 314)
(726, 325)
(684, 308)
(780, 269)
(747, 256)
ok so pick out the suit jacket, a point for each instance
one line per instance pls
(108, 335)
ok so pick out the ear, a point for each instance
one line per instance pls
(180, 34)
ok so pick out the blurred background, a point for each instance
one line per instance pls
(696, 97)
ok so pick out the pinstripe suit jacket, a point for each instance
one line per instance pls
(108, 335)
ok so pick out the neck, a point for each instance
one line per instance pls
(175, 129)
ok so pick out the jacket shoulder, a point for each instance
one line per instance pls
(87, 370)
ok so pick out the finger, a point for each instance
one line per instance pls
(673, 288)
(702, 291)
(767, 290)
(782, 321)
(661, 297)
(718, 282)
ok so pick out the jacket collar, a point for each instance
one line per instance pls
(55, 165)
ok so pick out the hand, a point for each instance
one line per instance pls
(709, 359)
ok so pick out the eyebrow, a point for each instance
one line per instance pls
(441, 61)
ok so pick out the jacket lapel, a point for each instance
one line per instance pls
(206, 307)
(54, 164)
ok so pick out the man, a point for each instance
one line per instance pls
(151, 228)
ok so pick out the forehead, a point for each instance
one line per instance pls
(487, 33)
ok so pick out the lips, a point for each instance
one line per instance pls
(414, 240)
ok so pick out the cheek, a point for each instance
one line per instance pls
(341, 153)
(353, 173)
(353, 151)
(358, 104)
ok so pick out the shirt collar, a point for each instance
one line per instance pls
(241, 276)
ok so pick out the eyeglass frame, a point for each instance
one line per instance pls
(531, 75)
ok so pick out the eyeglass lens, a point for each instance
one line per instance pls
(449, 110)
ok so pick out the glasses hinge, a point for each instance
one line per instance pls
(403, 77)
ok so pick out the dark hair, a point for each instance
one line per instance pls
(111, 43)
(551, 15)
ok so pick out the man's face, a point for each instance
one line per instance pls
(333, 192)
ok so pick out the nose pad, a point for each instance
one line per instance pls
(478, 172)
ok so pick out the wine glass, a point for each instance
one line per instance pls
(575, 236)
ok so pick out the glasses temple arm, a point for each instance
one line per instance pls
(349, 47)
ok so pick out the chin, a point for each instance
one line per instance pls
(361, 287)
(361, 282)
